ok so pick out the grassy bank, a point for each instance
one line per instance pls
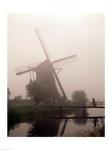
(18, 112)
(32, 110)
(21, 113)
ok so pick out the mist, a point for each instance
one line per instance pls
(62, 35)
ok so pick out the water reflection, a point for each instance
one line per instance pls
(44, 128)
(79, 112)
(20, 130)
(58, 127)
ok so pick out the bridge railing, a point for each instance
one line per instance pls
(97, 103)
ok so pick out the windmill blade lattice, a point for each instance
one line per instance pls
(24, 69)
(64, 61)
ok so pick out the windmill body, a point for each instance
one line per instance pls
(45, 76)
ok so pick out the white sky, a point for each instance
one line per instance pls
(62, 35)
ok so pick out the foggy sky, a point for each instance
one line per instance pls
(62, 35)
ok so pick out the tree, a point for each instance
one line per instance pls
(8, 93)
(79, 97)
(37, 92)
(18, 98)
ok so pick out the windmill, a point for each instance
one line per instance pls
(46, 73)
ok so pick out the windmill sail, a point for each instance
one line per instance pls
(64, 61)
(45, 77)
(26, 68)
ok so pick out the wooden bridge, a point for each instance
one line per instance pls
(74, 106)
(61, 108)
(99, 104)
(83, 115)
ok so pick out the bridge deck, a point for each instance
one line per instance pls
(74, 106)
(79, 117)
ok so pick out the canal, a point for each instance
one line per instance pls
(52, 127)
